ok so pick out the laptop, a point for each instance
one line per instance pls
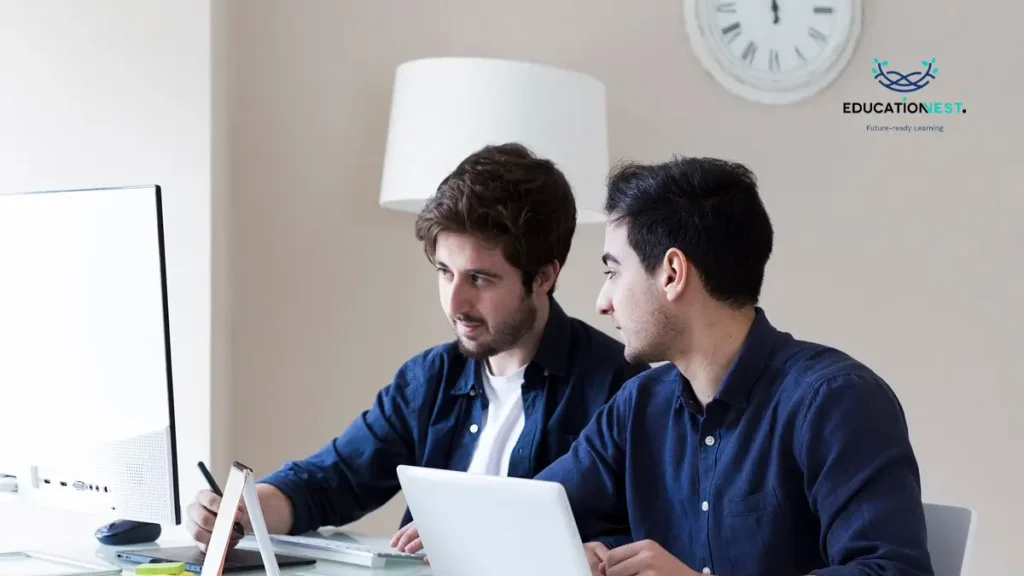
(473, 524)
(237, 560)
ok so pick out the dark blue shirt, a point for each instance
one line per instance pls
(801, 464)
(432, 413)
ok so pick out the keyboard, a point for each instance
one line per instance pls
(336, 550)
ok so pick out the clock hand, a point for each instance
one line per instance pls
(775, 10)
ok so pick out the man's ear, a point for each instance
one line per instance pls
(674, 273)
(545, 278)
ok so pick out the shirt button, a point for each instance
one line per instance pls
(706, 570)
(473, 429)
(710, 440)
(704, 505)
(472, 392)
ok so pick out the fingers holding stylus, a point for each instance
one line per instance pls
(202, 516)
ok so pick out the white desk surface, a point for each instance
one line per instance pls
(69, 535)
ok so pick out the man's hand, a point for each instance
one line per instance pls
(407, 539)
(644, 558)
(202, 513)
(596, 554)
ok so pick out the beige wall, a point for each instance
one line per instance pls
(902, 249)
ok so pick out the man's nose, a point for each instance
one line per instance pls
(604, 304)
(460, 299)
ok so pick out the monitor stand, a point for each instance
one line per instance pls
(127, 532)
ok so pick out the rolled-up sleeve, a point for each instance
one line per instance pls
(354, 473)
(862, 479)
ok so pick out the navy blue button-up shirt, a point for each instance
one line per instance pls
(801, 464)
(426, 417)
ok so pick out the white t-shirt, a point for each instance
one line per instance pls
(503, 422)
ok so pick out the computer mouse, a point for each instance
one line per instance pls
(125, 532)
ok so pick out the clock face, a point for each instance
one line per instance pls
(773, 51)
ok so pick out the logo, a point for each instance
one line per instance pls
(911, 107)
(899, 82)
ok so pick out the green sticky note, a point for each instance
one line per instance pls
(161, 569)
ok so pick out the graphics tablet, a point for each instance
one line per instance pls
(237, 560)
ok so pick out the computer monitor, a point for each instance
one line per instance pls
(86, 396)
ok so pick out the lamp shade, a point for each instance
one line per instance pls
(444, 109)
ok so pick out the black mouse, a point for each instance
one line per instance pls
(125, 532)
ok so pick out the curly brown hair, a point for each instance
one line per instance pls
(510, 198)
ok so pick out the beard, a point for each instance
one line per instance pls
(650, 342)
(649, 339)
(503, 335)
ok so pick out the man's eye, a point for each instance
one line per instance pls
(609, 273)
(479, 279)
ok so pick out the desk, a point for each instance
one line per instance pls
(71, 535)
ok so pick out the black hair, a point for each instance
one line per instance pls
(707, 208)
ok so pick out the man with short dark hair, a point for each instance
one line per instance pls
(749, 452)
(507, 397)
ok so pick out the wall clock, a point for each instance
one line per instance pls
(773, 51)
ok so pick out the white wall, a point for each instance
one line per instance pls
(117, 92)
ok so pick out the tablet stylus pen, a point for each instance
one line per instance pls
(216, 490)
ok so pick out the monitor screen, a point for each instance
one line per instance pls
(85, 379)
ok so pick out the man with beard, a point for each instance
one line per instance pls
(749, 451)
(507, 397)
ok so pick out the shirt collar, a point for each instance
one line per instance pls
(471, 380)
(553, 350)
(745, 370)
(551, 356)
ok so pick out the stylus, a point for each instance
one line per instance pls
(216, 490)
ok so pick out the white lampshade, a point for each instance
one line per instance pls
(444, 109)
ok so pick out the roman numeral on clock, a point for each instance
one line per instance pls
(818, 36)
(731, 32)
(749, 52)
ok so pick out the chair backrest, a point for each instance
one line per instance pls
(949, 537)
